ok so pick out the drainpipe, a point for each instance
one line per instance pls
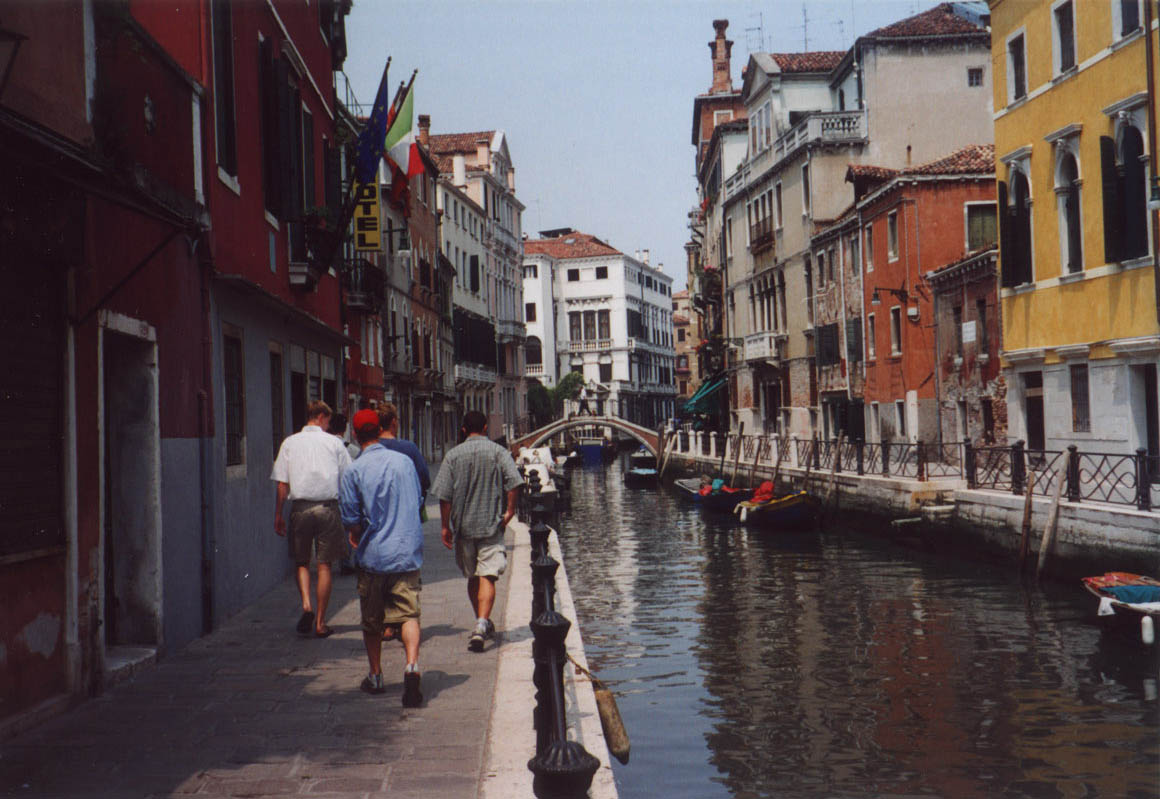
(1150, 62)
(204, 452)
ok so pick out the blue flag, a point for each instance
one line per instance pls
(370, 140)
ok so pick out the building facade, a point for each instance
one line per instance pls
(686, 344)
(483, 164)
(613, 319)
(1077, 258)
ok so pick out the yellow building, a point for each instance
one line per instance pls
(1080, 310)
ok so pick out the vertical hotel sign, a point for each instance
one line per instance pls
(368, 236)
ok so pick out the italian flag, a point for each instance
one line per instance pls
(399, 144)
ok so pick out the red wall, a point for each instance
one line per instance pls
(931, 234)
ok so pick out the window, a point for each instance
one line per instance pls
(957, 323)
(589, 325)
(531, 270)
(1016, 69)
(854, 339)
(1125, 198)
(605, 373)
(1080, 409)
(235, 390)
(827, 345)
(900, 418)
(574, 322)
(1015, 231)
(981, 226)
(981, 324)
(974, 76)
(892, 236)
(855, 254)
(870, 346)
(869, 249)
(223, 70)
(875, 422)
(530, 311)
(777, 204)
(1063, 36)
(1067, 193)
(680, 334)
(573, 275)
(474, 270)
(534, 351)
(896, 330)
(602, 273)
(603, 323)
(1125, 17)
(277, 398)
(806, 190)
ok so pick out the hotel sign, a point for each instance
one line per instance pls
(368, 236)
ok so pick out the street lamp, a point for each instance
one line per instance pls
(10, 42)
(1154, 199)
(901, 294)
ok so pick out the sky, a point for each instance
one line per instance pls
(596, 98)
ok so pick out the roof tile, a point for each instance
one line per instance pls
(570, 245)
(816, 61)
(938, 21)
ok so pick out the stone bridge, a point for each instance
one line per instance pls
(649, 438)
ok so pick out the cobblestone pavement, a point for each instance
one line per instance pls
(254, 710)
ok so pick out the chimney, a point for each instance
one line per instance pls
(482, 153)
(721, 49)
(644, 256)
(459, 170)
(424, 129)
(511, 179)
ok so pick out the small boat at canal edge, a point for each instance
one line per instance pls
(1130, 600)
(790, 512)
(642, 469)
(723, 499)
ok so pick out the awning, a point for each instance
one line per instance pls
(699, 402)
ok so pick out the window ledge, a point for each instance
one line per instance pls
(1074, 277)
(1023, 288)
(1128, 38)
(230, 181)
(1067, 73)
(1016, 103)
(272, 221)
(1136, 263)
(236, 472)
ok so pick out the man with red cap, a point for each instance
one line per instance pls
(379, 501)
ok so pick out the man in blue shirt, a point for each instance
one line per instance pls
(379, 500)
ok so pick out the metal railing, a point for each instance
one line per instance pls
(1112, 477)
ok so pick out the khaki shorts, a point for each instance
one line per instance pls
(481, 557)
(388, 599)
(316, 527)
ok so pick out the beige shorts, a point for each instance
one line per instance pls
(481, 557)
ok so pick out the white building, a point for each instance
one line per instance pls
(540, 317)
(611, 319)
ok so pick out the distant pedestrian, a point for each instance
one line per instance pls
(389, 438)
(380, 509)
(307, 471)
(474, 480)
(338, 428)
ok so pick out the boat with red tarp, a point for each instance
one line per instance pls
(790, 512)
(713, 495)
(1129, 599)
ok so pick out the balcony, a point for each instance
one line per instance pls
(363, 282)
(760, 346)
(761, 236)
(474, 373)
(505, 328)
(534, 370)
(589, 345)
(834, 127)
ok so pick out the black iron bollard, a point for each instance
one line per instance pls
(1018, 468)
(1072, 473)
(563, 768)
(920, 456)
(861, 457)
(837, 445)
(885, 457)
(543, 584)
(970, 465)
(1143, 481)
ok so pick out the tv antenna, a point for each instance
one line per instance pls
(755, 35)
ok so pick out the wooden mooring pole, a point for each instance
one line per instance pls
(1025, 542)
(1052, 523)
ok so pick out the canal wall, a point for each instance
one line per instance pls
(511, 737)
(943, 514)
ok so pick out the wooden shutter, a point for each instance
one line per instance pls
(268, 127)
(854, 339)
(284, 99)
(1113, 201)
(1006, 245)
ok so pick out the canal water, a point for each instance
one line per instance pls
(839, 663)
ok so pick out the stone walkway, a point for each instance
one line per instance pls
(254, 710)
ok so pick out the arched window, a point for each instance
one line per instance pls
(534, 351)
(1067, 192)
(1015, 230)
(1125, 189)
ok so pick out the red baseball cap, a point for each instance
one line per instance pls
(365, 418)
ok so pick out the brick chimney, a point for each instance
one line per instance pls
(483, 152)
(424, 128)
(721, 48)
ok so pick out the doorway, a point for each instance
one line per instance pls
(131, 509)
(1033, 409)
(1146, 411)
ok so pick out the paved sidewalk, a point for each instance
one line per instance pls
(254, 710)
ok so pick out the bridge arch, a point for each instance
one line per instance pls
(536, 438)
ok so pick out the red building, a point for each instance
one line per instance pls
(914, 221)
(166, 316)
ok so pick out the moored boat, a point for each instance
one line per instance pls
(640, 477)
(719, 498)
(789, 512)
(1128, 599)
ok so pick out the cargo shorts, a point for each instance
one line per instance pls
(481, 557)
(387, 599)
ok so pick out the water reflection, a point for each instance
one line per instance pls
(838, 663)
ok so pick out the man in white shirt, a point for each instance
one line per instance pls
(307, 470)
